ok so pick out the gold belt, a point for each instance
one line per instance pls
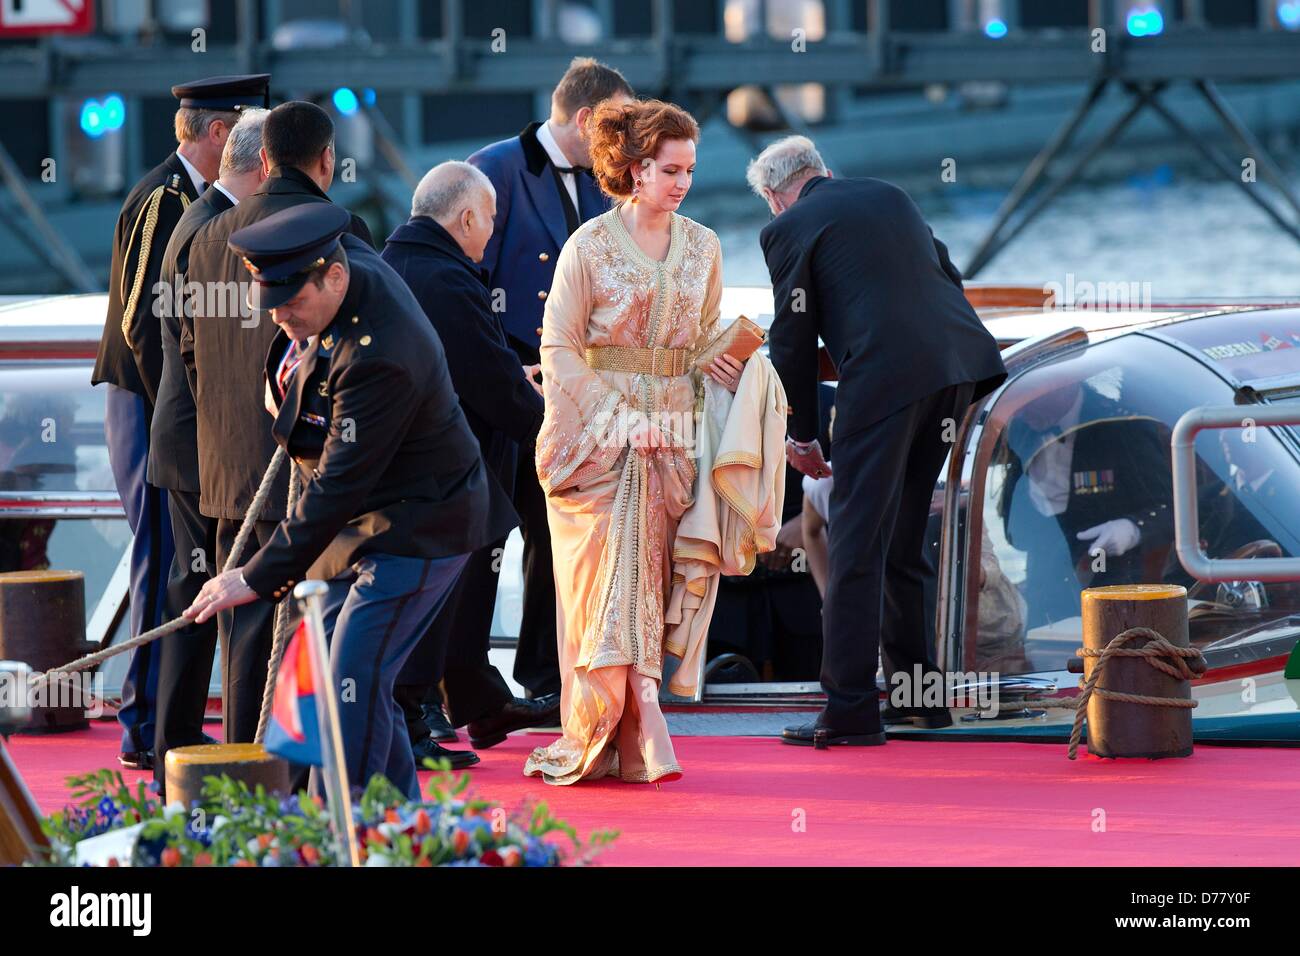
(655, 361)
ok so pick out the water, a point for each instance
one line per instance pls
(1186, 236)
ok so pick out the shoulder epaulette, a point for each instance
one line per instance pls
(145, 224)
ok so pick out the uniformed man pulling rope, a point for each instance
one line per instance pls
(395, 494)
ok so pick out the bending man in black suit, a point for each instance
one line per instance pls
(853, 262)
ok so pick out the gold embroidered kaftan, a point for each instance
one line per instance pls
(613, 511)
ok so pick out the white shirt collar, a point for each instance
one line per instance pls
(198, 181)
(547, 139)
(229, 195)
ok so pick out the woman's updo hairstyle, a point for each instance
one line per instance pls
(622, 136)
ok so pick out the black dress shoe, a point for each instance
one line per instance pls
(440, 727)
(927, 718)
(815, 735)
(430, 748)
(136, 759)
(550, 702)
(208, 739)
(515, 715)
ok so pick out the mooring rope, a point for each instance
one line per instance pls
(283, 629)
(172, 626)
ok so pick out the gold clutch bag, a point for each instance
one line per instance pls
(740, 340)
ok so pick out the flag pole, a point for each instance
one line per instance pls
(310, 595)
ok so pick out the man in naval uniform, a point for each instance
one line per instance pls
(1087, 497)
(544, 192)
(395, 493)
(130, 363)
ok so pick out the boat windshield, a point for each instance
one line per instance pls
(1072, 486)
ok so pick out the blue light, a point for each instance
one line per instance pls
(1288, 14)
(995, 28)
(345, 101)
(113, 112)
(92, 119)
(1145, 22)
(370, 96)
(99, 118)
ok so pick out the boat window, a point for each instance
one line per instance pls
(1073, 489)
(51, 442)
(52, 429)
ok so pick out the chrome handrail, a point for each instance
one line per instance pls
(1186, 509)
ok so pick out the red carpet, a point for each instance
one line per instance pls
(909, 803)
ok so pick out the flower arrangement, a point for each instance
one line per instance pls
(232, 825)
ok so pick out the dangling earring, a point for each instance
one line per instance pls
(636, 189)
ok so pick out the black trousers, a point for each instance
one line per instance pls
(454, 650)
(875, 594)
(246, 637)
(185, 658)
(537, 657)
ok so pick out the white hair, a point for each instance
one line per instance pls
(780, 164)
(241, 152)
(449, 188)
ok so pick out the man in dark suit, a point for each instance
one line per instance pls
(395, 493)
(130, 362)
(185, 658)
(224, 361)
(853, 262)
(544, 191)
(1087, 496)
(437, 252)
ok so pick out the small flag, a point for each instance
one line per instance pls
(293, 732)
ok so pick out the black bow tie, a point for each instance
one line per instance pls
(572, 169)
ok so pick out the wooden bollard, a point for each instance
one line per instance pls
(187, 766)
(1119, 728)
(43, 624)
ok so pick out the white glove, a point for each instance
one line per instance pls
(1114, 537)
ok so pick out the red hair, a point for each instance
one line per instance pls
(622, 137)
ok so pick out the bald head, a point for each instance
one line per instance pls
(448, 188)
(461, 199)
